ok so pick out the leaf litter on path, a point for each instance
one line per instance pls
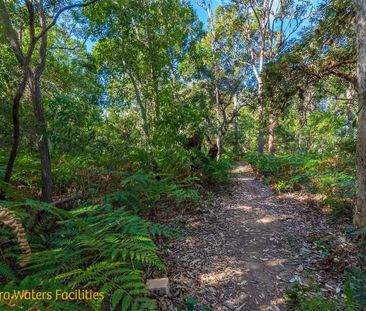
(246, 248)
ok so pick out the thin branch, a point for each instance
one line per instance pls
(10, 33)
(57, 15)
(30, 9)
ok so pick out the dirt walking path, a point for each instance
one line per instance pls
(242, 251)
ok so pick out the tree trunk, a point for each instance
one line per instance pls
(219, 140)
(145, 125)
(349, 95)
(42, 139)
(15, 116)
(359, 218)
(261, 117)
(236, 125)
(271, 134)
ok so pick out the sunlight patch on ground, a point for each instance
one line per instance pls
(215, 277)
(244, 207)
(270, 219)
(276, 262)
(242, 169)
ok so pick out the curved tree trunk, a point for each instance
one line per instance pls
(359, 218)
(42, 138)
(16, 130)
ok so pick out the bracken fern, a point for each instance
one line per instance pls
(100, 248)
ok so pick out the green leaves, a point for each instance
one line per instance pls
(6, 271)
(95, 247)
(311, 172)
(355, 290)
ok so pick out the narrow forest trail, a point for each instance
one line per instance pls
(242, 251)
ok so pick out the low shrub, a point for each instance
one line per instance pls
(326, 175)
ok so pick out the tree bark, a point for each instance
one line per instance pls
(261, 117)
(36, 95)
(271, 134)
(236, 124)
(219, 139)
(34, 79)
(349, 103)
(219, 142)
(359, 218)
(145, 125)
(42, 139)
(16, 131)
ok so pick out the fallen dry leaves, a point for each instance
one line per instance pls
(242, 250)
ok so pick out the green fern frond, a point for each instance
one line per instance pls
(6, 271)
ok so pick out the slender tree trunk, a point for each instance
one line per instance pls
(219, 142)
(261, 117)
(359, 218)
(271, 134)
(42, 138)
(154, 77)
(219, 139)
(16, 131)
(236, 124)
(145, 125)
(349, 95)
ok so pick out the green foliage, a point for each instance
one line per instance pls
(317, 303)
(309, 172)
(301, 297)
(127, 84)
(142, 191)
(98, 247)
(191, 305)
(217, 172)
(355, 290)
(355, 287)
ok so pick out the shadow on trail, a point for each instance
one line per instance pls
(239, 254)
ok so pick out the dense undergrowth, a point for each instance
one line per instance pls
(102, 244)
(330, 176)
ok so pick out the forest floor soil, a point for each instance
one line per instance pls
(247, 246)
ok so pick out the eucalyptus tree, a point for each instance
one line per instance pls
(268, 28)
(359, 219)
(25, 37)
(139, 47)
(322, 63)
(212, 39)
(219, 60)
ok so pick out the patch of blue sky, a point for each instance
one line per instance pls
(201, 13)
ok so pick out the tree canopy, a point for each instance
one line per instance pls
(112, 109)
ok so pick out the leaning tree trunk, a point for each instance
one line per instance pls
(145, 125)
(15, 115)
(42, 139)
(359, 218)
